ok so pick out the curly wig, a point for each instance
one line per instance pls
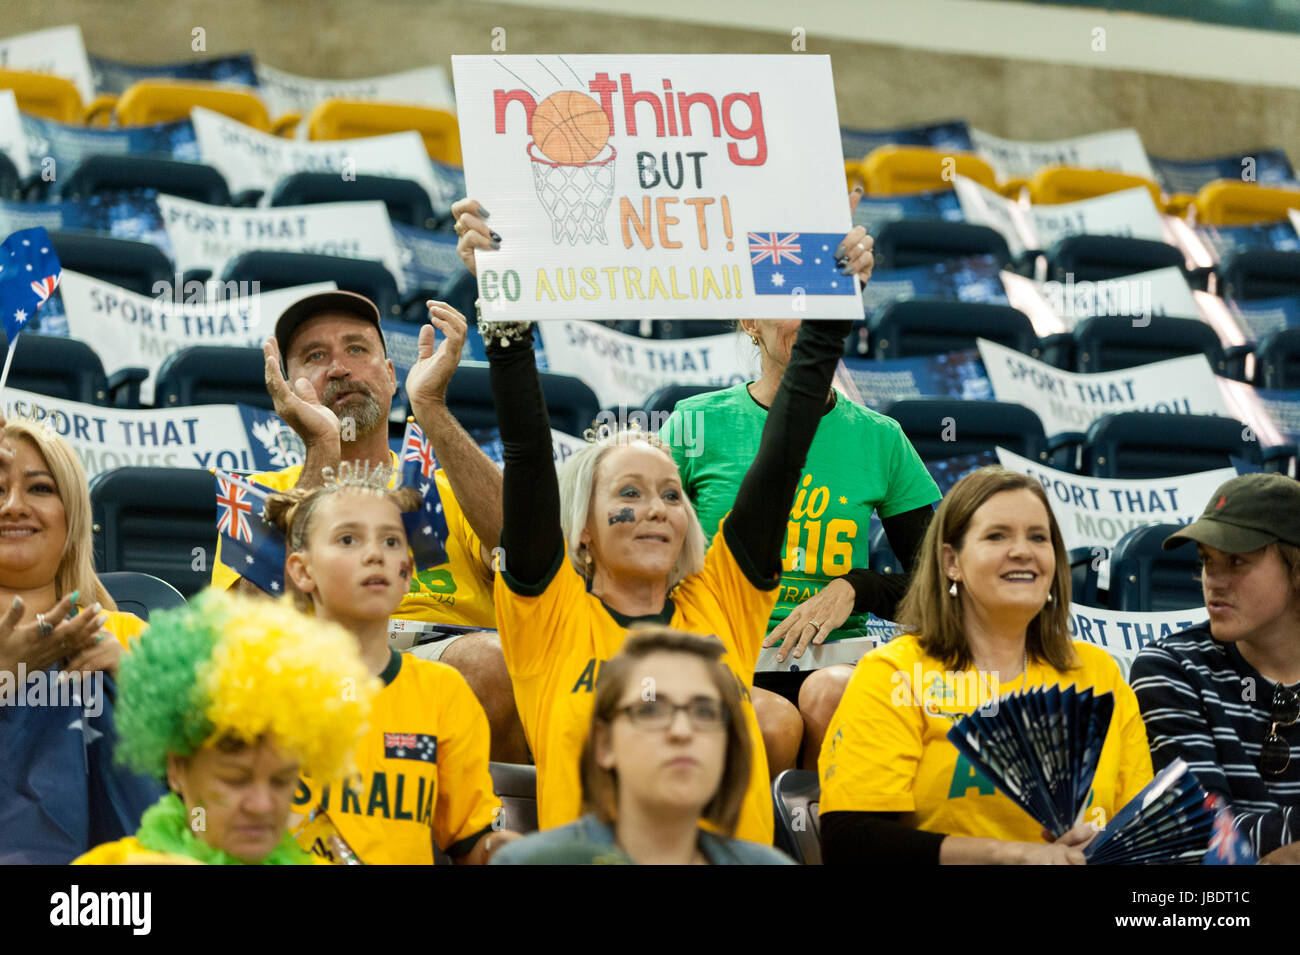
(231, 666)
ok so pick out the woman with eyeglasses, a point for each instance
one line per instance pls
(1224, 695)
(668, 746)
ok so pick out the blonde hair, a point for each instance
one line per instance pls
(578, 482)
(76, 570)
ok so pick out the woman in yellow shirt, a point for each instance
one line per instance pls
(986, 614)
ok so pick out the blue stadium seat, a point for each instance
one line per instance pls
(925, 327)
(213, 375)
(946, 427)
(135, 266)
(516, 786)
(1111, 342)
(796, 794)
(880, 555)
(1148, 579)
(407, 201)
(189, 180)
(69, 368)
(664, 400)
(907, 242)
(159, 521)
(1145, 444)
(1259, 273)
(140, 593)
(1277, 360)
(10, 181)
(570, 401)
(1091, 258)
(276, 270)
(1083, 576)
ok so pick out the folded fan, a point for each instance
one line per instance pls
(1041, 748)
(1169, 821)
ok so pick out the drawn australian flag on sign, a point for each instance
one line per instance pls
(784, 261)
(418, 746)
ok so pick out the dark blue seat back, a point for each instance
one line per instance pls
(213, 375)
(946, 427)
(927, 327)
(1111, 342)
(1147, 444)
(276, 270)
(1148, 579)
(407, 201)
(139, 593)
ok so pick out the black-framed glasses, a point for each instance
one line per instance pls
(1275, 755)
(705, 714)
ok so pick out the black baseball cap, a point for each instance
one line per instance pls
(348, 303)
(1246, 513)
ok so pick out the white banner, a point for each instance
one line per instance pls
(657, 186)
(202, 436)
(285, 93)
(58, 50)
(1294, 216)
(252, 159)
(127, 329)
(1123, 633)
(13, 141)
(207, 237)
(982, 206)
(1119, 150)
(1162, 292)
(625, 370)
(1066, 401)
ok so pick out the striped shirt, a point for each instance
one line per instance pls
(1203, 702)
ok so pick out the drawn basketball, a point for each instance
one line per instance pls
(570, 127)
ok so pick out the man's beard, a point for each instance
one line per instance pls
(360, 406)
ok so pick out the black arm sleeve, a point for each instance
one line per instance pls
(756, 525)
(530, 532)
(876, 838)
(880, 593)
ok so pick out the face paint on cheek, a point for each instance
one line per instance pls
(625, 516)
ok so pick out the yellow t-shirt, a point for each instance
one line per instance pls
(131, 851)
(124, 626)
(555, 641)
(458, 592)
(423, 772)
(886, 749)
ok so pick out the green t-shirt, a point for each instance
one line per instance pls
(859, 461)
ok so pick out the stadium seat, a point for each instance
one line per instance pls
(1147, 579)
(896, 170)
(571, 404)
(516, 786)
(880, 555)
(1277, 360)
(350, 119)
(135, 266)
(41, 94)
(140, 593)
(159, 521)
(1083, 576)
(10, 181)
(1111, 342)
(213, 375)
(1054, 185)
(189, 180)
(407, 201)
(1259, 273)
(1091, 258)
(1146, 444)
(924, 327)
(276, 270)
(907, 242)
(853, 176)
(663, 401)
(1232, 202)
(70, 369)
(947, 427)
(147, 102)
(796, 794)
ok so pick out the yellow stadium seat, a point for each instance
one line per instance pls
(853, 174)
(351, 119)
(1013, 187)
(1232, 202)
(156, 101)
(286, 125)
(100, 110)
(1057, 184)
(43, 95)
(1177, 204)
(894, 170)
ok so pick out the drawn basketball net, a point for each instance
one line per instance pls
(576, 196)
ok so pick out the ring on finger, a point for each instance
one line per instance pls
(814, 624)
(43, 627)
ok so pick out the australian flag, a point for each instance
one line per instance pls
(426, 529)
(29, 274)
(418, 746)
(1227, 845)
(249, 545)
(784, 261)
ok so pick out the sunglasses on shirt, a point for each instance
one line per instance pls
(1275, 755)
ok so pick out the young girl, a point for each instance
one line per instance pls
(424, 760)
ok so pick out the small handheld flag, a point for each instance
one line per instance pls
(249, 544)
(426, 529)
(29, 274)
